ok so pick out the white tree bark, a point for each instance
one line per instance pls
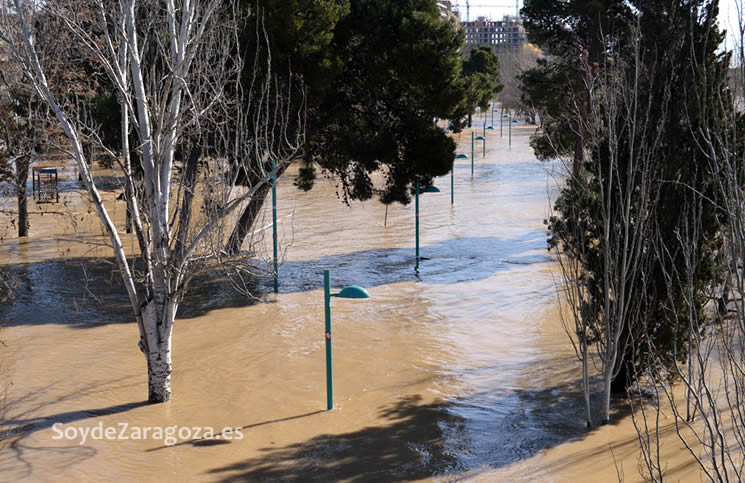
(620, 187)
(710, 419)
(168, 94)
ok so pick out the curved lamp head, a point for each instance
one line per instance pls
(480, 138)
(352, 292)
(431, 189)
(489, 127)
(514, 121)
(461, 156)
(505, 115)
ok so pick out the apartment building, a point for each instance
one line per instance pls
(500, 34)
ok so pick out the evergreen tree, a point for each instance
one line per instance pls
(401, 71)
(681, 44)
(481, 77)
(374, 74)
(570, 32)
(673, 65)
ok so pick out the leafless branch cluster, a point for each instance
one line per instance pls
(616, 189)
(199, 135)
(512, 63)
(708, 406)
(696, 384)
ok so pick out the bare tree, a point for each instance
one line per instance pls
(21, 131)
(605, 219)
(512, 63)
(199, 129)
(573, 294)
(708, 410)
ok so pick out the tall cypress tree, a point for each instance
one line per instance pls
(674, 67)
(681, 43)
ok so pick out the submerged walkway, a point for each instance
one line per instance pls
(460, 370)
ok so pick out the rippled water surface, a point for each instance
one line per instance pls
(459, 370)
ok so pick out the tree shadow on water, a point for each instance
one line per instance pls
(410, 447)
(84, 293)
(470, 435)
(27, 414)
(456, 260)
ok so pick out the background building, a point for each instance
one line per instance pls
(500, 34)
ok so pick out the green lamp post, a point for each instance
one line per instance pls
(465, 156)
(510, 123)
(482, 138)
(501, 123)
(351, 292)
(428, 189)
(452, 184)
(472, 143)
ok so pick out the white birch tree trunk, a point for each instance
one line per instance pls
(159, 364)
(182, 90)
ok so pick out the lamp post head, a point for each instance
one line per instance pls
(489, 127)
(431, 189)
(462, 156)
(480, 138)
(352, 292)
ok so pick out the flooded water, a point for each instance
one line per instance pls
(460, 370)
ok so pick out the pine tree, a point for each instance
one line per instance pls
(374, 74)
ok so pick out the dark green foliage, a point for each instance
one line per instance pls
(106, 115)
(550, 88)
(679, 74)
(481, 72)
(401, 70)
(571, 33)
(679, 48)
(376, 74)
(575, 27)
(299, 33)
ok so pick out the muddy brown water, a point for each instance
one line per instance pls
(458, 371)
